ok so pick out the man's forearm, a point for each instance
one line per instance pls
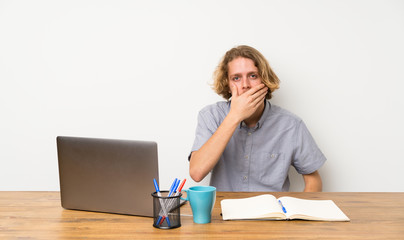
(204, 160)
(313, 182)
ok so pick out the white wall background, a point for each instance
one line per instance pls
(141, 70)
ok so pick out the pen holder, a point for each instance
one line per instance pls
(166, 210)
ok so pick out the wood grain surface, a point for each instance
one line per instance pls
(39, 215)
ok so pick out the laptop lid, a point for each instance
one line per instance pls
(106, 175)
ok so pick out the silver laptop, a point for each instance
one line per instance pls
(105, 175)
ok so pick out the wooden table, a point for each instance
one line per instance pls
(38, 215)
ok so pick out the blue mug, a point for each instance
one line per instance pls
(202, 200)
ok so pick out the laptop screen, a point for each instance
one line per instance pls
(107, 175)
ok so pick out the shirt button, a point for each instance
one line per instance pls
(249, 134)
(246, 157)
(245, 177)
(272, 155)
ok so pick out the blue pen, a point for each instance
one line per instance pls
(283, 208)
(178, 188)
(156, 186)
(172, 189)
(177, 183)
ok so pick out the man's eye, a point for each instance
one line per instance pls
(236, 78)
(253, 76)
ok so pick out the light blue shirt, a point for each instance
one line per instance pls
(258, 159)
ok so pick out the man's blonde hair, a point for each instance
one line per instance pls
(267, 75)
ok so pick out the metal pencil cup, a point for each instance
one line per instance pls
(166, 210)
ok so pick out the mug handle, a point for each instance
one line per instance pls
(185, 199)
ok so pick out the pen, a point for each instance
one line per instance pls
(283, 208)
(171, 202)
(177, 184)
(156, 186)
(172, 206)
(160, 220)
(180, 188)
(173, 187)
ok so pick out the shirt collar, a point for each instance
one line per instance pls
(265, 114)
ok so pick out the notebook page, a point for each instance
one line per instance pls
(250, 208)
(315, 209)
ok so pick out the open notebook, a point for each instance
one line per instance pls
(266, 206)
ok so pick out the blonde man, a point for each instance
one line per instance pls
(246, 142)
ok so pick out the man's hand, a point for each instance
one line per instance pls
(244, 105)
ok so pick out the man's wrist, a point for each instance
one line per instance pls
(233, 119)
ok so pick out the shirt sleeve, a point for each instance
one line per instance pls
(307, 156)
(205, 128)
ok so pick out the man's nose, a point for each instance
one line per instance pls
(246, 83)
